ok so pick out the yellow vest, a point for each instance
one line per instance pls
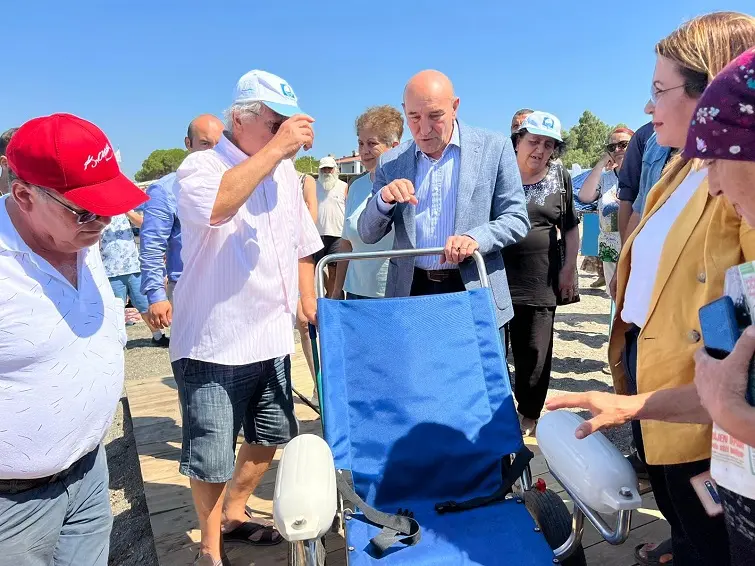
(706, 239)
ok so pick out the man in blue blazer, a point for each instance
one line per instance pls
(452, 186)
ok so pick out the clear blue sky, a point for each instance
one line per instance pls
(142, 69)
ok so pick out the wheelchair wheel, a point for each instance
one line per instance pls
(297, 555)
(553, 517)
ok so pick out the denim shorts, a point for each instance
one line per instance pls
(130, 286)
(217, 399)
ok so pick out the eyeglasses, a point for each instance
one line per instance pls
(611, 147)
(82, 216)
(656, 92)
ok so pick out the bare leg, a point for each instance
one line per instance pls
(252, 462)
(208, 501)
(330, 280)
(302, 325)
(601, 280)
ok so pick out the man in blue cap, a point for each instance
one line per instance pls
(247, 242)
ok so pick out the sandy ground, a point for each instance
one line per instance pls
(581, 338)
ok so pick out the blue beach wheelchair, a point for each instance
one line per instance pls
(422, 461)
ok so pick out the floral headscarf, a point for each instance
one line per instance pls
(723, 126)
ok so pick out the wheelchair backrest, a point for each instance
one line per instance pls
(416, 396)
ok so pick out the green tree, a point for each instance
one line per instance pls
(585, 142)
(160, 162)
(306, 164)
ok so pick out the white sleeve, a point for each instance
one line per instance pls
(197, 183)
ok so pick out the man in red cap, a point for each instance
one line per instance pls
(61, 342)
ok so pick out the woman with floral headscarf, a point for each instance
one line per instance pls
(723, 134)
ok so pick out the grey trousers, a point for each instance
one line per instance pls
(64, 523)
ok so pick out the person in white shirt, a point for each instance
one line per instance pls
(379, 129)
(62, 336)
(248, 239)
(5, 138)
(331, 211)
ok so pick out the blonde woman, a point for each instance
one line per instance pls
(673, 264)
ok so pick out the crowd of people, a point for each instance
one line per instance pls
(226, 259)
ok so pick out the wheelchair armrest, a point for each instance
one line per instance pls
(305, 499)
(593, 472)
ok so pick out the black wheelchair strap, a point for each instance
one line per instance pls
(521, 460)
(395, 528)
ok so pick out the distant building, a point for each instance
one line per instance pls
(350, 165)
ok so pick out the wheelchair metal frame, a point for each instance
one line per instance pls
(306, 549)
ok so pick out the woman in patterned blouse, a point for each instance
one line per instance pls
(533, 265)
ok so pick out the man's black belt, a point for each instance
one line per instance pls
(438, 275)
(18, 486)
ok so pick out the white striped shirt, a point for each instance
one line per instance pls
(436, 183)
(235, 302)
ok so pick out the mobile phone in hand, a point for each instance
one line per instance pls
(707, 491)
(718, 322)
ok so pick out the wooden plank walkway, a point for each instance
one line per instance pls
(157, 430)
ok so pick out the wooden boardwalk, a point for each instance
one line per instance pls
(157, 430)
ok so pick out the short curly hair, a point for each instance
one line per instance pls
(385, 120)
(558, 149)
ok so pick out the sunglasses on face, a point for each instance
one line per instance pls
(273, 125)
(612, 147)
(82, 216)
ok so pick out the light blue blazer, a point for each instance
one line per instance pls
(490, 208)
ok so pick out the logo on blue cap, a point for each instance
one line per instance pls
(548, 123)
(287, 91)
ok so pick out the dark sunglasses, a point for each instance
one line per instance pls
(611, 147)
(82, 216)
(273, 125)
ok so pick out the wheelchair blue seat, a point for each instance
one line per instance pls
(416, 403)
(503, 533)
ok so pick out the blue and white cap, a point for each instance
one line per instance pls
(543, 124)
(273, 91)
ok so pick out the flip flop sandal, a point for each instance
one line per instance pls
(206, 560)
(653, 557)
(245, 531)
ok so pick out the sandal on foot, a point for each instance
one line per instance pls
(654, 555)
(206, 560)
(245, 531)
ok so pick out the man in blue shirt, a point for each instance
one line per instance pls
(160, 236)
(629, 176)
(643, 165)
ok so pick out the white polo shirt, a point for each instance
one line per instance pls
(235, 302)
(61, 358)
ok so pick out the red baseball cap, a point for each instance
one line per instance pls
(74, 158)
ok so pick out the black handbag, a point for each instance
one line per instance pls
(560, 301)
